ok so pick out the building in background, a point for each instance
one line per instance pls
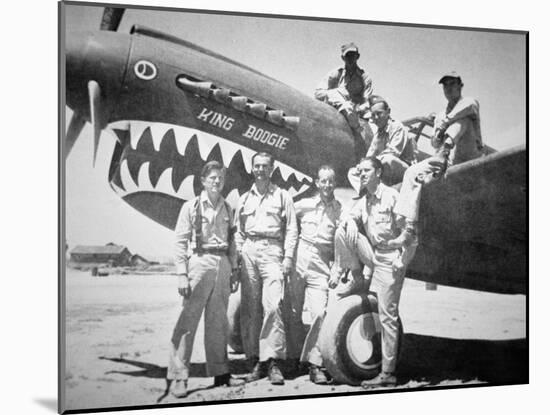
(116, 255)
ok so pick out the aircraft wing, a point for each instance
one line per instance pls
(473, 225)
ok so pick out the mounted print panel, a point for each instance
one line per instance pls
(260, 207)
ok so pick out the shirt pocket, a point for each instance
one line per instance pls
(272, 218)
(245, 216)
(308, 226)
(204, 221)
(247, 211)
(222, 227)
(204, 228)
(272, 211)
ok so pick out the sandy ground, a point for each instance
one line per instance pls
(118, 330)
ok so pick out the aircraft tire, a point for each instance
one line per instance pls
(350, 339)
(234, 327)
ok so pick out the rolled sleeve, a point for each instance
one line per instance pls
(466, 107)
(330, 81)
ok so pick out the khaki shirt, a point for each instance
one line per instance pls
(357, 84)
(271, 215)
(394, 140)
(470, 145)
(375, 213)
(318, 220)
(216, 221)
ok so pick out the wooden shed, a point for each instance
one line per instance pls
(108, 254)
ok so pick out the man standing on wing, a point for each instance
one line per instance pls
(318, 218)
(266, 240)
(376, 250)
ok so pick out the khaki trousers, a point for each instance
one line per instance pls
(408, 202)
(262, 327)
(465, 149)
(209, 278)
(309, 285)
(385, 283)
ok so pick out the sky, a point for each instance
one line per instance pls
(404, 63)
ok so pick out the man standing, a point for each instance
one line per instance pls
(391, 144)
(374, 214)
(347, 88)
(318, 218)
(204, 281)
(266, 240)
(457, 138)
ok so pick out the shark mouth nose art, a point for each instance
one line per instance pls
(166, 158)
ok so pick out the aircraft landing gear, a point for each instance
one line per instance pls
(350, 339)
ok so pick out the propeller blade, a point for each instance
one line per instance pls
(75, 127)
(111, 18)
(94, 94)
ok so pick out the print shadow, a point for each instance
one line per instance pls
(436, 359)
(48, 403)
(150, 370)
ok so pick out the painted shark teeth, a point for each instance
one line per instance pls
(183, 136)
(229, 150)
(186, 190)
(206, 143)
(286, 171)
(137, 129)
(164, 184)
(247, 159)
(144, 182)
(158, 131)
(233, 197)
(117, 189)
(293, 192)
(127, 182)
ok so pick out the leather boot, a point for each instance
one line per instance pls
(257, 371)
(274, 373)
(382, 379)
(317, 376)
(179, 388)
(227, 380)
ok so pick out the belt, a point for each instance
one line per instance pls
(381, 248)
(263, 238)
(212, 251)
(320, 247)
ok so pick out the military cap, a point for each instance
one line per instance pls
(349, 47)
(450, 75)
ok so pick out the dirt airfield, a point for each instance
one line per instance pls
(118, 330)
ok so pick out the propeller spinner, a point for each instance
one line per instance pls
(75, 59)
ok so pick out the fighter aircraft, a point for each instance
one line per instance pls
(174, 105)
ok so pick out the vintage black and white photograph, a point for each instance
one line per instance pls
(268, 206)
